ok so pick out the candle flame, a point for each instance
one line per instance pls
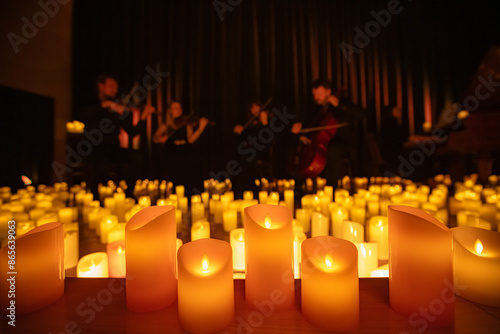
(267, 221)
(328, 261)
(363, 250)
(120, 250)
(478, 246)
(92, 266)
(204, 263)
(240, 237)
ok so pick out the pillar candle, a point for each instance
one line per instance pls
(117, 232)
(116, 258)
(119, 205)
(478, 222)
(217, 212)
(109, 203)
(358, 214)
(353, 232)
(262, 197)
(178, 220)
(338, 216)
(179, 191)
(93, 265)
(22, 227)
(420, 265)
(304, 217)
(47, 218)
(200, 230)
(206, 291)
(378, 231)
(463, 216)
(289, 199)
(106, 224)
(229, 220)
(144, 201)
(341, 195)
(476, 258)
(329, 192)
(65, 215)
(269, 256)
(237, 240)
(373, 207)
(71, 246)
(367, 258)
(38, 268)
(197, 211)
(320, 224)
(329, 283)
(248, 195)
(324, 203)
(205, 198)
(298, 238)
(150, 247)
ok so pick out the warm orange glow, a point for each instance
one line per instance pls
(328, 261)
(26, 180)
(267, 221)
(120, 250)
(240, 237)
(478, 246)
(92, 266)
(363, 250)
(204, 263)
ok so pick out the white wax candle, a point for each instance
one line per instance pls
(237, 240)
(230, 221)
(93, 265)
(320, 225)
(200, 230)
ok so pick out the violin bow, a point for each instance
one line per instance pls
(261, 109)
(326, 127)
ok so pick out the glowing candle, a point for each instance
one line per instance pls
(179, 191)
(206, 292)
(229, 220)
(144, 201)
(358, 214)
(478, 222)
(150, 247)
(339, 214)
(65, 215)
(353, 232)
(38, 268)
(71, 246)
(367, 258)
(304, 217)
(200, 230)
(23, 227)
(47, 218)
(269, 256)
(378, 231)
(320, 224)
(248, 195)
(107, 223)
(420, 265)
(117, 232)
(298, 238)
(476, 258)
(237, 239)
(95, 217)
(197, 211)
(178, 220)
(93, 265)
(330, 275)
(119, 205)
(341, 195)
(289, 199)
(217, 212)
(205, 198)
(262, 197)
(116, 258)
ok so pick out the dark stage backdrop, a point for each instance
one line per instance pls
(418, 55)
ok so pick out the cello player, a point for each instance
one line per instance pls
(343, 147)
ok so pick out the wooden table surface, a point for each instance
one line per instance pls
(72, 314)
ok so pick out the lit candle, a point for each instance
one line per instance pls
(179, 191)
(367, 258)
(304, 217)
(38, 268)
(378, 231)
(289, 199)
(420, 265)
(109, 203)
(358, 214)
(338, 216)
(117, 232)
(116, 258)
(320, 224)
(150, 246)
(262, 197)
(229, 220)
(324, 203)
(206, 292)
(22, 227)
(93, 265)
(120, 205)
(217, 212)
(298, 238)
(144, 201)
(71, 246)
(197, 211)
(107, 223)
(353, 232)
(47, 218)
(237, 239)
(200, 230)
(248, 195)
(269, 256)
(330, 275)
(476, 258)
(65, 215)
(205, 198)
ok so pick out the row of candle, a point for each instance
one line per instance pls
(421, 256)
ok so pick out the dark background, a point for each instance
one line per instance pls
(276, 49)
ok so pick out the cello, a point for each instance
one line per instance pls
(310, 159)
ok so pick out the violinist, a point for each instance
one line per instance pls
(256, 117)
(178, 134)
(342, 148)
(104, 119)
